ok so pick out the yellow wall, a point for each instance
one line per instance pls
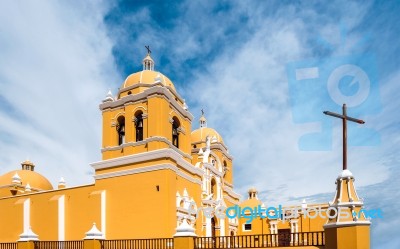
(135, 208)
(348, 237)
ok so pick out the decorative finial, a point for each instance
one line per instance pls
(62, 183)
(185, 106)
(109, 97)
(148, 63)
(203, 120)
(94, 233)
(304, 204)
(185, 230)
(28, 187)
(16, 179)
(28, 235)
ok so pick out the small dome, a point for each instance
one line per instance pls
(34, 180)
(147, 78)
(200, 135)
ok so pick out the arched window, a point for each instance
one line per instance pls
(139, 126)
(121, 130)
(213, 225)
(213, 187)
(175, 132)
(225, 169)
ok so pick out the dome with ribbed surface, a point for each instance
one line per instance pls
(148, 77)
(201, 134)
(20, 180)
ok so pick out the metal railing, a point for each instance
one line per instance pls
(75, 244)
(159, 243)
(9, 245)
(261, 240)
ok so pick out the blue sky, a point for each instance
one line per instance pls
(235, 59)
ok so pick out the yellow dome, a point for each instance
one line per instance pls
(200, 135)
(146, 77)
(36, 181)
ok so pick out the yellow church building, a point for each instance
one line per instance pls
(158, 177)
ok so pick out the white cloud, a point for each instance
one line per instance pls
(55, 68)
(246, 98)
(56, 65)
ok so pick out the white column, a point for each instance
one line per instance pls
(61, 218)
(221, 227)
(208, 227)
(27, 234)
(294, 229)
(103, 212)
(27, 214)
(273, 231)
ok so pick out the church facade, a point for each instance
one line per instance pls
(155, 170)
(156, 174)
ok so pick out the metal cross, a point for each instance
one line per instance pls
(148, 49)
(344, 118)
(202, 112)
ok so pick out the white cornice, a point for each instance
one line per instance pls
(145, 141)
(227, 197)
(231, 192)
(147, 156)
(46, 191)
(228, 184)
(214, 146)
(155, 84)
(165, 91)
(165, 166)
(221, 147)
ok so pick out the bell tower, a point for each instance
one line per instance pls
(147, 114)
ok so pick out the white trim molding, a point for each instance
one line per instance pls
(145, 169)
(165, 91)
(231, 192)
(147, 156)
(145, 141)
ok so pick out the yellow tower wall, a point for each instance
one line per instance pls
(355, 237)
